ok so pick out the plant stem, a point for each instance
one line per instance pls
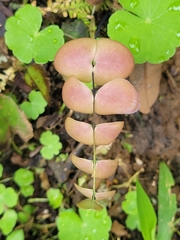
(94, 140)
(33, 200)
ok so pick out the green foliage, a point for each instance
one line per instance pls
(16, 235)
(36, 75)
(13, 120)
(23, 177)
(145, 208)
(55, 197)
(8, 221)
(24, 215)
(8, 198)
(51, 143)
(129, 206)
(167, 203)
(35, 106)
(26, 41)
(149, 28)
(1, 170)
(89, 225)
(138, 206)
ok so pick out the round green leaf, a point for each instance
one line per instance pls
(55, 197)
(149, 28)
(27, 191)
(16, 235)
(8, 221)
(10, 197)
(23, 177)
(25, 40)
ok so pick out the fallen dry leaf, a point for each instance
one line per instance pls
(146, 79)
(118, 229)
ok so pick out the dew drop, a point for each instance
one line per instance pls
(55, 41)
(178, 34)
(105, 221)
(174, 7)
(133, 3)
(97, 214)
(49, 30)
(94, 230)
(134, 45)
(120, 25)
(18, 22)
(161, 59)
(31, 39)
(168, 52)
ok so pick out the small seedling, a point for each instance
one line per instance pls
(16, 235)
(138, 206)
(35, 106)
(52, 145)
(26, 41)
(145, 27)
(24, 178)
(25, 214)
(89, 225)
(55, 197)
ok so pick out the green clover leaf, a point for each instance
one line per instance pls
(149, 28)
(23, 177)
(129, 205)
(36, 105)
(8, 198)
(51, 143)
(89, 225)
(26, 41)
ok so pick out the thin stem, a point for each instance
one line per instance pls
(33, 200)
(94, 140)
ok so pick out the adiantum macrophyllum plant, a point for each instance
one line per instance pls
(105, 63)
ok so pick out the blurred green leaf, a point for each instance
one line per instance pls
(146, 213)
(26, 41)
(55, 197)
(90, 224)
(8, 221)
(1, 170)
(27, 191)
(167, 203)
(13, 120)
(23, 216)
(23, 177)
(52, 145)
(145, 27)
(16, 235)
(35, 106)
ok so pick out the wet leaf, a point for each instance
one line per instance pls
(90, 224)
(146, 79)
(13, 120)
(146, 27)
(26, 41)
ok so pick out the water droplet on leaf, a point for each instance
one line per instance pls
(168, 52)
(174, 7)
(49, 30)
(134, 45)
(161, 59)
(55, 41)
(31, 39)
(178, 34)
(87, 237)
(120, 25)
(94, 230)
(133, 3)
(97, 214)
(18, 22)
(105, 221)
